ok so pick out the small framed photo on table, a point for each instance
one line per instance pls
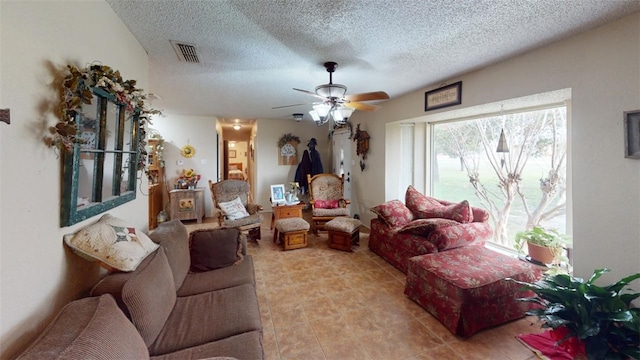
(277, 194)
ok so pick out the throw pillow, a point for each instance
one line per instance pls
(215, 248)
(419, 204)
(234, 209)
(460, 212)
(393, 213)
(423, 227)
(326, 204)
(112, 242)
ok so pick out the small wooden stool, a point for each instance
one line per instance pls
(292, 232)
(343, 232)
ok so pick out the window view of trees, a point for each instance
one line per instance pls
(521, 188)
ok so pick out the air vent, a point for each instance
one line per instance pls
(186, 52)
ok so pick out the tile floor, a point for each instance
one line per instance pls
(320, 303)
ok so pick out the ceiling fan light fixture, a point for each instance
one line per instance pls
(319, 120)
(298, 117)
(341, 115)
(331, 90)
(322, 109)
(314, 115)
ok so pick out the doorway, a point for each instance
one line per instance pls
(342, 158)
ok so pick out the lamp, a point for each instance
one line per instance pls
(331, 90)
(341, 114)
(298, 117)
(319, 120)
(236, 126)
(322, 109)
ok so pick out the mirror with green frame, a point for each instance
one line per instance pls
(100, 173)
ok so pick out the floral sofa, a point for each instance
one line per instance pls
(424, 225)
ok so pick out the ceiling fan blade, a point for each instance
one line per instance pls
(285, 106)
(375, 95)
(310, 93)
(362, 106)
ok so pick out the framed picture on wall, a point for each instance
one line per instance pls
(232, 154)
(444, 96)
(277, 194)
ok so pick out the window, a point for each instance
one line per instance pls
(100, 173)
(520, 188)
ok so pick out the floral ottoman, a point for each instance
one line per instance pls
(465, 288)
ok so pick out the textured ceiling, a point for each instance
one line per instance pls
(253, 52)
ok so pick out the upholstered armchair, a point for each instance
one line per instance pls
(326, 199)
(233, 209)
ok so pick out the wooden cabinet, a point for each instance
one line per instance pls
(187, 204)
(155, 174)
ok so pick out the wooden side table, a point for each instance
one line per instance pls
(187, 204)
(286, 211)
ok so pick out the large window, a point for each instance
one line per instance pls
(521, 188)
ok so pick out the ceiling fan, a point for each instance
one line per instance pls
(334, 103)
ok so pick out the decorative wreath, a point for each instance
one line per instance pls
(188, 151)
(77, 90)
(287, 138)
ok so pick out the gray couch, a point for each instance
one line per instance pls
(162, 310)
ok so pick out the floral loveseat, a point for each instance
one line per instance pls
(424, 225)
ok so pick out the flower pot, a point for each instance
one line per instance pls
(541, 254)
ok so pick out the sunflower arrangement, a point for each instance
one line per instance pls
(189, 178)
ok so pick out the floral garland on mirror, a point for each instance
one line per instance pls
(77, 90)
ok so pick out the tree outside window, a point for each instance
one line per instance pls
(522, 188)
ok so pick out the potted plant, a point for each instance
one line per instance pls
(544, 245)
(586, 319)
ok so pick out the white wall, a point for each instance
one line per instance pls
(199, 132)
(38, 273)
(602, 69)
(268, 172)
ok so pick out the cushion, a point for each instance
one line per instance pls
(423, 227)
(393, 213)
(326, 204)
(460, 212)
(343, 224)
(174, 238)
(84, 330)
(418, 202)
(425, 207)
(291, 224)
(234, 209)
(150, 296)
(215, 248)
(112, 242)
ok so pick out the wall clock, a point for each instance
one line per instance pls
(188, 151)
